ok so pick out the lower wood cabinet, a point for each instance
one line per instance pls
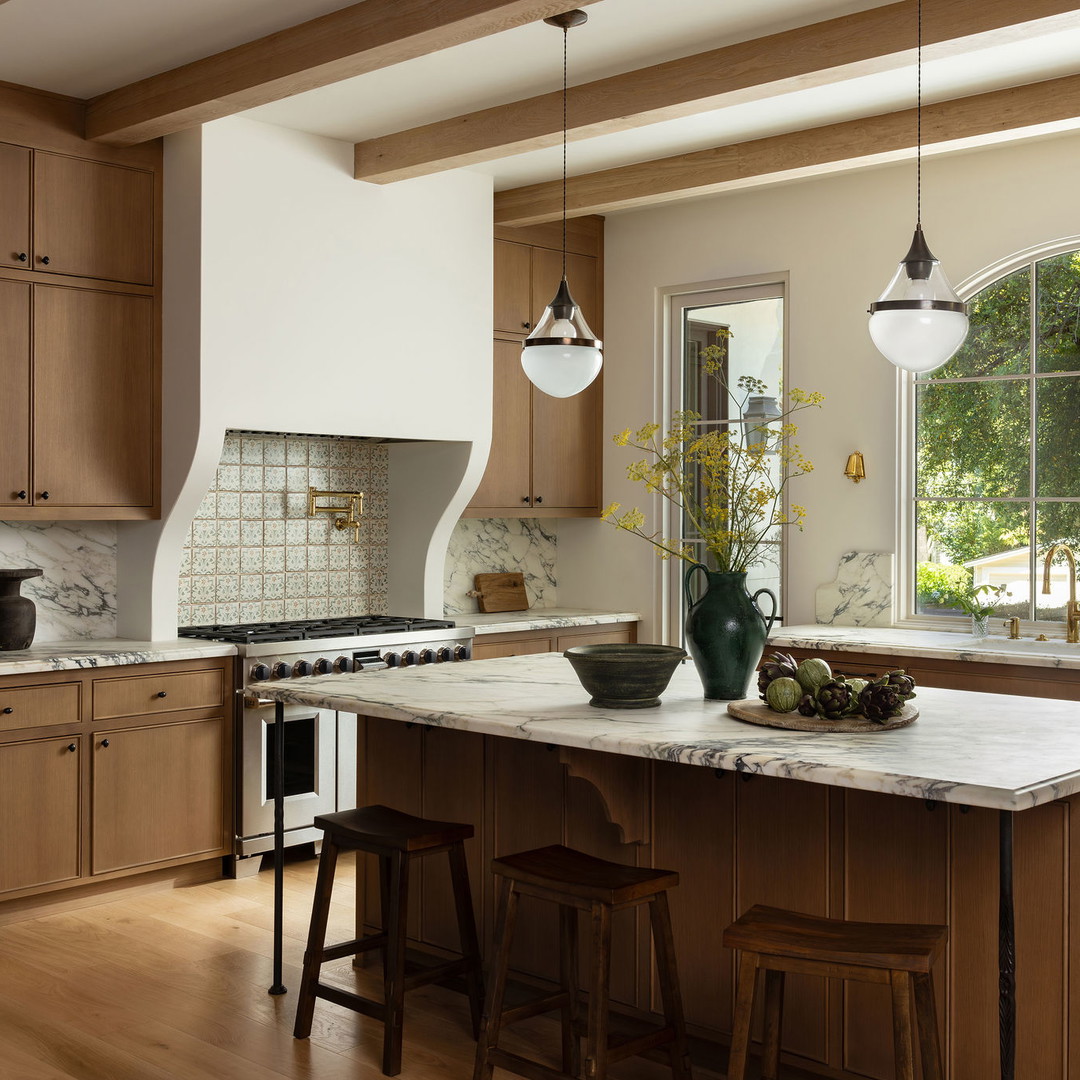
(86, 794)
(525, 642)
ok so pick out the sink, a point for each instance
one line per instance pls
(1053, 647)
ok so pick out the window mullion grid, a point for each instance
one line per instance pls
(1033, 555)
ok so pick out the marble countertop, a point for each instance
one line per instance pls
(934, 644)
(71, 655)
(502, 622)
(978, 749)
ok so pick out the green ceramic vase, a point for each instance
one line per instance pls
(725, 631)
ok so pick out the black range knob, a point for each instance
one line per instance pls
(427, 656)
(343, 664)
(409, 658)
(323, 666)
(260, 672)
(462, 652)
(444, 654)
(392, 659)
(282, 670)
(301, 668)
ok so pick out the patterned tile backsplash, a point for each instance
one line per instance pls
(252, 553)
(499, 545)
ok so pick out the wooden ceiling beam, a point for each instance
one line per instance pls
(962, 123)
(363, 37)
(863, 43)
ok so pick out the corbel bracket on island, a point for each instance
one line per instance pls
(623, 786)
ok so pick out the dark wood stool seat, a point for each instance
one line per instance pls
(579, 882)
(396, 838)
(899, 955)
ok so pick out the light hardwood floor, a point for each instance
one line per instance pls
(171, 985)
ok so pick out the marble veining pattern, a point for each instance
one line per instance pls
(252, 554)
(496, 546)
(546, 619)
(72, 655)
(975, 749)
(934, 644)
(861, 595)
(76, 596)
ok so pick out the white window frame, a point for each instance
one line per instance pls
(672, 302)
(905, 486)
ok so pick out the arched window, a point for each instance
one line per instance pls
(997, 446)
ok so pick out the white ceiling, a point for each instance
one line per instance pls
(82, 49)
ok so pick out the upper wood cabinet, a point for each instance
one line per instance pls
(14, 205)
(15, 373)
(545, 456)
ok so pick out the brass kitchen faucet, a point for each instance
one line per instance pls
(1072, 609)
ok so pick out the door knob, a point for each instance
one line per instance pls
(45, 260)
(21, 257)
(43, 496)
(20, 494)
(72, 747)
(104, 744)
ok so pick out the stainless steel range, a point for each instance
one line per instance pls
(320, 746)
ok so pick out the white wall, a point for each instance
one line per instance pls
(840, 239)
(298, 299)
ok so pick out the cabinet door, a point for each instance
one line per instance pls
(565, 436)
(513, 306)
(157, 794)
(14, 206)
(506, 480)
(93, 398)
(93, 220)
(523, 645)
(15, 373)
(39, 808)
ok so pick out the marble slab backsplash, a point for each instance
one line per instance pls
(252, 553)
(862, 594)
(500, 545)
(76, 596)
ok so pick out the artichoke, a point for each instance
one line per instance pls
(835, 700)
(783, 694)
(778, 666)
(808, 707)
(857, 686)
(902, 683)
(880, 702)
(812, 673)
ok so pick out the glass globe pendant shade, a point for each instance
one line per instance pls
(561, 356)
(918, 322)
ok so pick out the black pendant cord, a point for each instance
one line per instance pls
(918, 127)
(566, 30)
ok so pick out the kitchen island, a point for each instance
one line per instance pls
(894, 826)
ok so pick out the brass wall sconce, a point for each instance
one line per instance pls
(855, 469)
(350, 514)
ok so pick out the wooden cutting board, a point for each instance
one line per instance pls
(756, 712)
(501, 592)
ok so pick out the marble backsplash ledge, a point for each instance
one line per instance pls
(501, 545)
(76, 596)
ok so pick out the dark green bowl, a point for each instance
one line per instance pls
(625, 676)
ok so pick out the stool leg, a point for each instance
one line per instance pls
(320, 912)
(384, 910)
(744, 1013)
(394, 982)
(664, 944)
(926, 1012)
(774, 1019)
(568, 978)
(470, 943)
(903, 1024)
(596, 1052)
(505, 914)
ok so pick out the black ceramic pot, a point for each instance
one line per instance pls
(625, 676)
(18, 616)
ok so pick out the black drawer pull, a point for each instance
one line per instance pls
(72, 747)
(45, 260)
(8, 711)
(20, 494)
(161, 693)
(44, 495)
(21, 257)
(104, 744)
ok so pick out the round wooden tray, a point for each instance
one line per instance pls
(757, 712)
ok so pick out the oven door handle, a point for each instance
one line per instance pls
(252, 701)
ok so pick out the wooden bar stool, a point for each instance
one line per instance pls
(397, 839)
(579, 882)
(899, 955)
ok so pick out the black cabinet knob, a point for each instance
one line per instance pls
(524, 498)
(21, 256)
(162, 693)
(539, 499)
(104, 744)
(20, 494)
(526, 326)
(44, 496)
(45, 260)
(72, 747)
(8, 711)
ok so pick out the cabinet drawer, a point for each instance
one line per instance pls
(523, 646)
(141, 695)
(39, 706)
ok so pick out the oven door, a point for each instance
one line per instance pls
(310, 772)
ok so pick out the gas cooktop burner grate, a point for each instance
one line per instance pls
(311, 629)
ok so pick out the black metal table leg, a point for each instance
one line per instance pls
(279, 842)
(1006, 947)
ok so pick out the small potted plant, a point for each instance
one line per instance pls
(980, 603)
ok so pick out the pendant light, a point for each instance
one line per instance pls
(562, 356)
(918, 322)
